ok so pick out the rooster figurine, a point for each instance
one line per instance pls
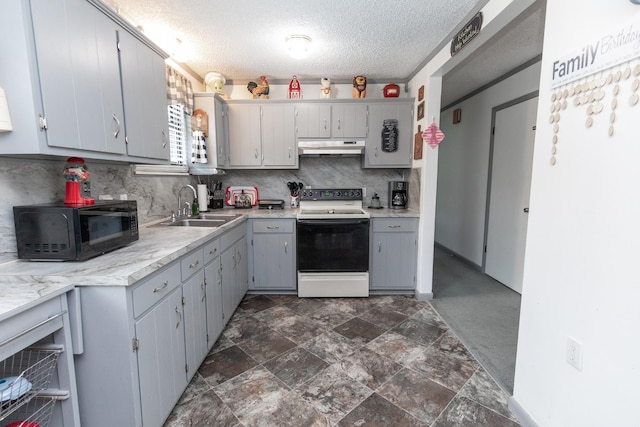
(259, 91)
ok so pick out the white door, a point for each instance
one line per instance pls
(509, 192)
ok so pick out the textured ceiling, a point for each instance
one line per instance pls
(385, 40)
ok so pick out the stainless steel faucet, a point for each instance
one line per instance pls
(195, 196)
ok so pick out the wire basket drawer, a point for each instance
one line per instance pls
(23, 376)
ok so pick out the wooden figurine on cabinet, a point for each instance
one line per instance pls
(359, 87)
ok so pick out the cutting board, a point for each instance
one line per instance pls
(233, 191)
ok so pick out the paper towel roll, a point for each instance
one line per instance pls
(203, 197)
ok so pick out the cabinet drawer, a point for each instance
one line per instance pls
(273, 226)
(395, 224)
(155, 288)
(191, 263)
(211, 251)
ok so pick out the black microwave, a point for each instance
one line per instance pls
(70, 233)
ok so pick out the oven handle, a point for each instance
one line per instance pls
(338, 221)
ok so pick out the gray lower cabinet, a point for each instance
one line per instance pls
(272, 255)
(213, 285)
(393, 252)
(161, 357)
(143, 343)
(233, 263)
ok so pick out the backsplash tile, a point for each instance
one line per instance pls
(31, 181)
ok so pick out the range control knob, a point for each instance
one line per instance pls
(358, 193)
(337, 194)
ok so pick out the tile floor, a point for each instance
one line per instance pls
(378, 361)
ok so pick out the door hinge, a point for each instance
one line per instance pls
(251, 242)
(135, 344)
(485, 248)
(184, 301)
(533, 128)
(186, 368)
(207, 338)
(119, 47)
(493, 130)
(253, 279)
(126, 140)
(43, 123)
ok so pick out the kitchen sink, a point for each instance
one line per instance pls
(202, 220)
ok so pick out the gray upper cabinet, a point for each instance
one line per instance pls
(64, 85)
(145, 99)
(376, 154)
(313, 120)
(217, 136)
(244, 136)
(335, 120)
(79, 76)
(349, 120)
(261, 135)
(278, 136)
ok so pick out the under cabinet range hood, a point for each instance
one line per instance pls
(330, 147)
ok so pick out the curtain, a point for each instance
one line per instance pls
(179, 90)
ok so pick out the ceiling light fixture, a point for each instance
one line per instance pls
(298, 45)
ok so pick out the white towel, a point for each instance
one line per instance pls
(199, 148)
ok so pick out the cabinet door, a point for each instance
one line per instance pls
(374, 155)
(145, 98)
(313, 120)
(228, 279)
(393, 253)
(242, 273)
(349, 121)
(221, 115)
(213, 280)
(195, 321)
(273, 261)
(161, 358)
(279, 135)
(244, 135)
(79, 76)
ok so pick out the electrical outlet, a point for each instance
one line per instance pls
(574, 353)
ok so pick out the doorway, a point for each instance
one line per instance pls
(509, 181)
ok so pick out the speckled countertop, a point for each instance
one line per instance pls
(23, 282)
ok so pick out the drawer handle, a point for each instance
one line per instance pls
(285, 247)
(32, 328)
(379, 247)
(179, 317)
(213, 251)
(273, 227)
(195, 264)
(394, 226)
(164, 285)
(203, 291)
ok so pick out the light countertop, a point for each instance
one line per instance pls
(23, 282)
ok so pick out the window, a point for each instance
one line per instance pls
(179, 129)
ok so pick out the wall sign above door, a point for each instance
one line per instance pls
(466, 34)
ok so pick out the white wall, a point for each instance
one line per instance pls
(581, 276)
(463, 165)
(496, 14)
